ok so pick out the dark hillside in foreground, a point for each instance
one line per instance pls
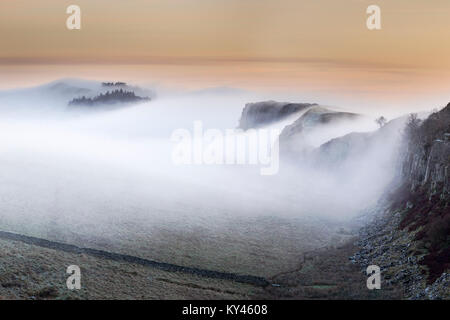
(407, 234)
(410, 237)
(426, 173)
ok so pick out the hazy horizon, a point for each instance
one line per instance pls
(313, 50)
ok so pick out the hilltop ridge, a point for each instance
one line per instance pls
(108, 98)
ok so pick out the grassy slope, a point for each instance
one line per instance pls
(30, 272)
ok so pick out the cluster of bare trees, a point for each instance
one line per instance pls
(116, 96)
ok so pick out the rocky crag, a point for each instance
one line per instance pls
(407, 233)
(293, 137)
(409, 237)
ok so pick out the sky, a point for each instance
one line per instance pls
(278, 44)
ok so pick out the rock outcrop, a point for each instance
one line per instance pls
(292, 138)
(428, 154)
(258, 114)
(410, 240)
(407, 233)
(350, 147)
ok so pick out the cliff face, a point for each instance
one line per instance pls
(429, 169)
(410, 238)
(263, 113)
(382, 144)
(427, 158)
(294, 137)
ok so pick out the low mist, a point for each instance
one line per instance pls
(82, 175)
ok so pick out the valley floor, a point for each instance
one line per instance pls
(317, 270)
(327, 274)
(32, 272)
(264, 247)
